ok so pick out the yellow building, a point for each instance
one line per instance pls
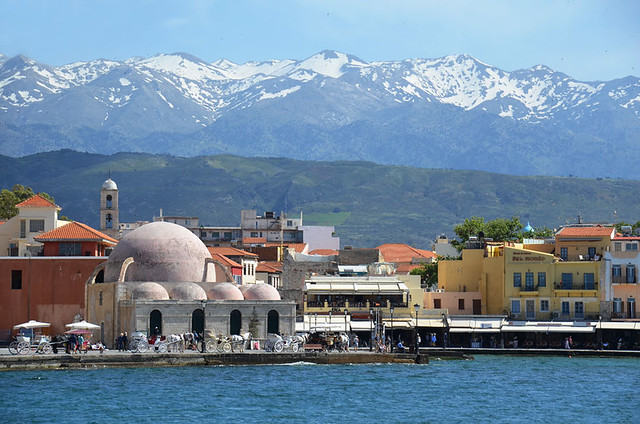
(521, 283)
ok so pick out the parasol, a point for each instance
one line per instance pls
(32, 324)
(82, 325)
(78, 331)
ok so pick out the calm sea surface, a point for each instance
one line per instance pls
(487, 389)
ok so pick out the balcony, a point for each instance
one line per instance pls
(576, 286)
(622, 279)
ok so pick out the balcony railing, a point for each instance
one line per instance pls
(622, 279)
(576, 286)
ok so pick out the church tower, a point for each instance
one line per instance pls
(109, 212)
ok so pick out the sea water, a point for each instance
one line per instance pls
(487, 389)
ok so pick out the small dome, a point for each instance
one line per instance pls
(225, 291)
(109, 184)
(188, 291)
(150, 291)
(528, 228)
(260, 291)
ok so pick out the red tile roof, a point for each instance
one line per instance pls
(403, 253)
(254, 240)
(230, 251)
(226, 261)
(269, 266)
(75, 231)
(37, 201)
(324, 252)
(594, 231)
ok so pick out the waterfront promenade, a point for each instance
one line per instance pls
(114, 358)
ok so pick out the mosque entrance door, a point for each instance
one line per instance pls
(197, 321)
(155, 322)
(235, 322)
(273, 322)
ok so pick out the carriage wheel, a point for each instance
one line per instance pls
(13, 347)
(295, 347)
(143, 346)
(23, 348)
(133, 346)
(226, 347)
(210, 346)
(46, 348)
(162, 348)
(279, 346)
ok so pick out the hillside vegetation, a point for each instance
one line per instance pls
(368, 203)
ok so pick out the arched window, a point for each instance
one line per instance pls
(273, 322)
(197, 321)
(108, 221)
(235, 322)
(155, 322)
(109, 201)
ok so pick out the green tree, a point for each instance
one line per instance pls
(504, 229)
(428, 273)
(10, 198)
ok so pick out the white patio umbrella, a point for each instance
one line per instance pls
(32, 324)
(82, 325)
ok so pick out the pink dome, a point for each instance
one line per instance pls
(225, 291)
(161, 251)
(188, 291)
(261, 291)
(149, 291)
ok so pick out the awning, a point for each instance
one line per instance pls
(473, 330)
(547, 329)
(618, 325)
(361, 325)
(398, 323)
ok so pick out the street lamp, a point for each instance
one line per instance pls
(371, 328)
(316, 321)
(600, 332)
(391, 312)
(416, 307)
(330, 328)
(204, 323)
(345, 319)
(444, 336)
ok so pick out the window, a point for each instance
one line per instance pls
(616, 271)
(187, 221)
(530, 308)
(227, 235)
(16, 279)
(289, 223)
(254, 234)
(461, 304)
(100, 298)
(515, 306)
(542, 279)
(592, 252)
(36, 225)
(69, 249)
(631, 246)
(23, 228)
(215, 234)
(528, 280)
(617, 305)
(579, 309)
(203, 234)
(517, 279)
(617, 247)
(109, 201)
(437, 304)
(565, 308)
(108, 221)
(631, 274)
(567, 280)
(589, 282)
(564, 253)
(544, 305)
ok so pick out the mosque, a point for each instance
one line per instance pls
(161, 277)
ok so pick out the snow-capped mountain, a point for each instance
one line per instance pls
(452, 112)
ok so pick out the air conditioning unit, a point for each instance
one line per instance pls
(555, 315)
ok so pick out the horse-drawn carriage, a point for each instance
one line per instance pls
(276, 343)
(328, 341)
(139, 342)
(28, 341)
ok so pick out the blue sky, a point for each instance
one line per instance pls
(588, 39)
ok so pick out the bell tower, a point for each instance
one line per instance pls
(109, 212)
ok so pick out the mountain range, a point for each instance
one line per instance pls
(454, 112)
